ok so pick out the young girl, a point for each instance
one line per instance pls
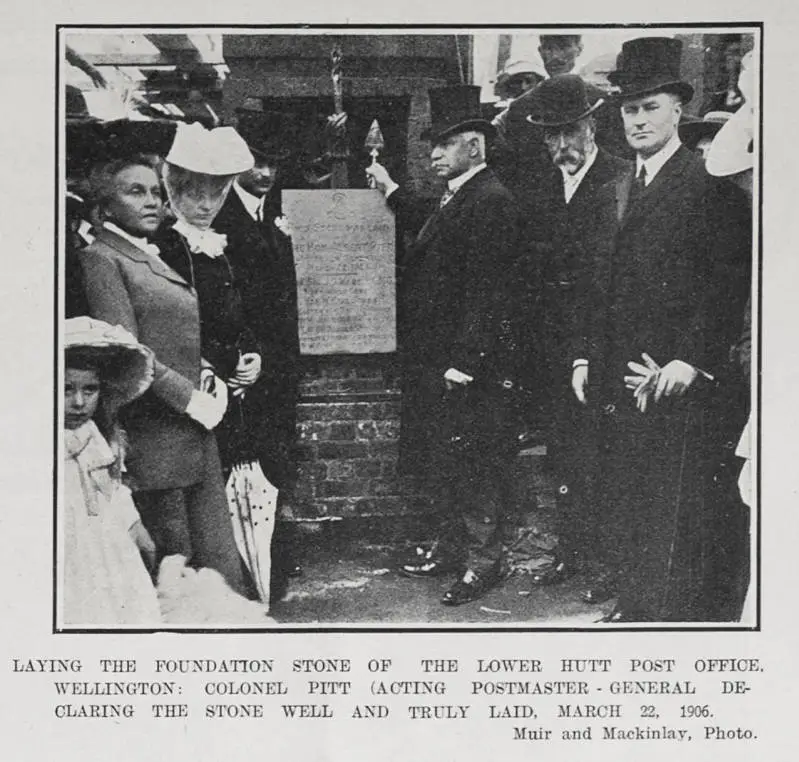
(104, 578)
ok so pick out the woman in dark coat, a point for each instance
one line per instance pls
(173, 462)
(198, 174)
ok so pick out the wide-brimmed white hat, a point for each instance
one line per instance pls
(124, 365)
(516, 69)
(220, 151)
(733, 149)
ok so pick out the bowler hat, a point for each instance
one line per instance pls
(455, 109)
(692, 129)
(560, 101)
(650, 65)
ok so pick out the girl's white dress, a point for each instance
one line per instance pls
(105, 582)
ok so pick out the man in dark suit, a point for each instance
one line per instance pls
(456, 424)
(571, 229)
(261, 255)
(675, 286)
(518, 154)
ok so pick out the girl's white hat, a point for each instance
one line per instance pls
(124, 365)
(220, 151)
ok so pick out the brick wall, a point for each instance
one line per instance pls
(348, 445)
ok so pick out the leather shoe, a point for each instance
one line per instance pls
(622, 615)
(428, 563)
(603, 589)
(295, 571)
(557, 572)
(469, 588)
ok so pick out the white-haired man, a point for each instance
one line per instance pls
(456, 427)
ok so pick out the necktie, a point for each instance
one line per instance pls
(446, 198)
(259, 212)
(637, 189)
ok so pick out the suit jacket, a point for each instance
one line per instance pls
(128, 287)
(678, 277)
(263, 263)
(674, 286)
(450, 275)
(568, 240)
(451, 284)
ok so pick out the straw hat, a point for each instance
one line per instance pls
(124, 365)
(516, 70)
(220, 151)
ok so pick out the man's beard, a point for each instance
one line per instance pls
(572, 161)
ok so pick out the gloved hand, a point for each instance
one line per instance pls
(247, 372)
(208, 408)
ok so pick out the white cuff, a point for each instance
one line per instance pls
(579, 363)
(457, 377)
(390, 188)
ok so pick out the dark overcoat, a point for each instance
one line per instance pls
(450, 300)
(674, 286)
(563, 243)
(128, 287)
(568, 239)
(263, 263)
(224, 333)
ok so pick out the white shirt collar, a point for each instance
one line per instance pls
(251, 203)
(457, 182)
(572, 182)
(85, 231)
(655, 162)
(139, 243)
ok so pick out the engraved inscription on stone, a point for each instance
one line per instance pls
(344, 254)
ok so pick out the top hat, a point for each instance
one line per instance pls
(125, 366)
(269, 134)
(650, 65)
(455, 109)
(560, 101)
(220, 151)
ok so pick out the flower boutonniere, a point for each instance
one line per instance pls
(282, 224)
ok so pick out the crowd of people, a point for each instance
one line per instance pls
(209, 438)
(584, 270)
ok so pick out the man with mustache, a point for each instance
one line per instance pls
(571, 229)
(653, 362)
